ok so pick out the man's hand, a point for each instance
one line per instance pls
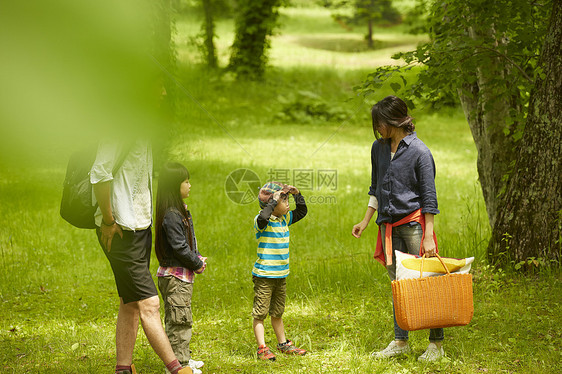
(108, 225)
(107, 234)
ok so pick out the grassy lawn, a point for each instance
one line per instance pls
(58, 302)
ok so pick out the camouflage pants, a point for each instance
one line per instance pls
(178, 319)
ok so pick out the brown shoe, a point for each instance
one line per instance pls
(186, 370)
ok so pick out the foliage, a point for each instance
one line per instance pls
(452, 57)
(364, 12)
(416, 17)
(308, 107)
(255, 23)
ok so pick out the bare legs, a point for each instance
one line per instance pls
(278, 328)
(148, 311)
(259, 331)
(126, 334)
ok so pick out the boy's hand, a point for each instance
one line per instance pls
(277, 195)
(293, 190)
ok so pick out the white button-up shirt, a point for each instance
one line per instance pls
(131, 187)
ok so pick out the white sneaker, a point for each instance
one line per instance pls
(195, 364)
(392, 350)
(432, 353)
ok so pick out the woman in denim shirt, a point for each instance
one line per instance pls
(403, 192)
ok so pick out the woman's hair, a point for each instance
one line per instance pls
(391, 111)
(171, 177)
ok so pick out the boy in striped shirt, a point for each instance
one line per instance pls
(271, 269)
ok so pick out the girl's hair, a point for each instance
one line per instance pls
(391, 111)
(171, 177)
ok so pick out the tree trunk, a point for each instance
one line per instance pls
(370, 32)
(254, 25)
(210, 34)
(485, 161)
(529, 218)
(486, 111)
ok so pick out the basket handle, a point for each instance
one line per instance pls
(440, 259)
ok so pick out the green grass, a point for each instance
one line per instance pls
(58, 301)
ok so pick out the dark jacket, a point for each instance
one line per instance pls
(179, 243)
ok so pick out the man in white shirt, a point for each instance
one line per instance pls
(124, 219)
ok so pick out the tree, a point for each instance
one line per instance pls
(255, 23)
(209, 34)
(485, 55)
(365, 12)
(529, 221)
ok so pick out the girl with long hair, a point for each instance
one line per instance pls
(179, 258)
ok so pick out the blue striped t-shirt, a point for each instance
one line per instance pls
(273, 247)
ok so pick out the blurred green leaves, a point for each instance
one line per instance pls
(73, 72)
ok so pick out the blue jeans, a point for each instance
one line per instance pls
(406, 238)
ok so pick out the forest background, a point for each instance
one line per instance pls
(304, 119)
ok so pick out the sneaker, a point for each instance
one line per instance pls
(392, 350)
(195, 364)
(185, 370)
(432, 353)
(265, 354)
(289, 349)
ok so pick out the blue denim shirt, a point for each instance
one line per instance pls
(405, 184)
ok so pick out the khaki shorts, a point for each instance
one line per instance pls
(269, 297)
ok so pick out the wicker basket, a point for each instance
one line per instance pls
(432, 302)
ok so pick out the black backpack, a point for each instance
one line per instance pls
(76, 204)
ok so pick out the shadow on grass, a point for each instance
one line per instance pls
(344, 45)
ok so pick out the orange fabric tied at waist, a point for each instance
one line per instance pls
(416, 216)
